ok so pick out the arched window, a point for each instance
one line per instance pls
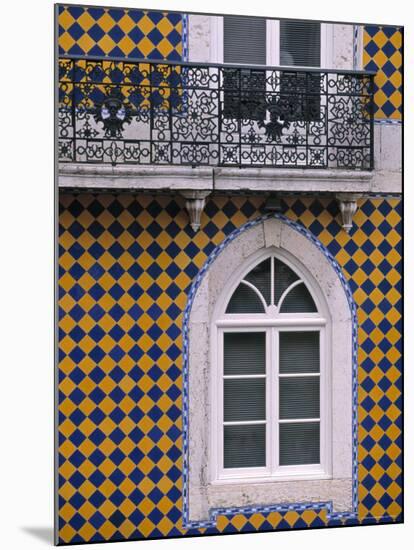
(271, 397)
(268, 370)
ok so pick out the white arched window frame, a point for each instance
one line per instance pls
(272, 323)
(204, 491)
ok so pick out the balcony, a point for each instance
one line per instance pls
(120, 112)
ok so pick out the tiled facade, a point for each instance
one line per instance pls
(382, 52)
(127, 263)
(125, 33)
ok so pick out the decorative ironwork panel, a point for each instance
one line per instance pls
(128, 112)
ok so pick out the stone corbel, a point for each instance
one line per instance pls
(347, 203)
(195, 202)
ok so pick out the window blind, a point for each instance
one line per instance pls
(299, 443)
(244, 40)
(244, 399)
(298, 300)
(259, 276)
(244, 446)
(244, 353)
(284, 277)
(299, 397)
(245, 300)
(300, 43)
(298, 352)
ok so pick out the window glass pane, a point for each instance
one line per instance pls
(244, 446)
(298, 352)
(283, 278)
(244, 40)
(244, 399)
(259, 276)
(244, 94)
(298, 300)
(299, 443)
(245, 300)
(299, 397)
(300, 43)
(244, 353)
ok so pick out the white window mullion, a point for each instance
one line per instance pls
(244, 422)
(299, 420)
(272, 43)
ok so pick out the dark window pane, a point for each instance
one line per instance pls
(244, 40)
(259, 276)
(244, 399)
(298, 300)
(300, 46)
(301, 95)
(299, 397)
(300, 43)
(283, 278)
(244, 446)
(298, 352)
(245, 300)
(299, 443)
(244, 353)
(244, 94)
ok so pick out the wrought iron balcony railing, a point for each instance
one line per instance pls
(140, 112)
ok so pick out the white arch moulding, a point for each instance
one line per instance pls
(205, 494)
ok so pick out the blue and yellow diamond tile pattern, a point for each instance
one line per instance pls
(382, 52)
(126, 265)
(116, 32)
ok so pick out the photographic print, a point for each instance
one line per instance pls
(229, 303)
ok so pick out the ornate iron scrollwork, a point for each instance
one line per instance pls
(163, 113)
(113, 114)
(279, 118)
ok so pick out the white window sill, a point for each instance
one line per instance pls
(300, 475)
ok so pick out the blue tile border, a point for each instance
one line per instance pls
(184, 37)
(298, 507)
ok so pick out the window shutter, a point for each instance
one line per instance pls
(300, 43)
(244, 40)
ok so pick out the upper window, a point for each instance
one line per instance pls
(259, 41)
(271, 409)
(300, 43)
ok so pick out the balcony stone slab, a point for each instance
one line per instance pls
(172, 179)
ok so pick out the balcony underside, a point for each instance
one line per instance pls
(233, 180)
